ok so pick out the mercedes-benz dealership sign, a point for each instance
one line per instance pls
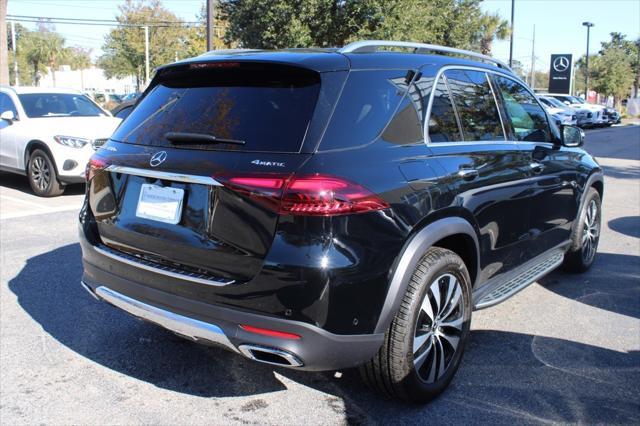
(560, 74)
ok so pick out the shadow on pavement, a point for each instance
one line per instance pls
(612, 283)
(622, 172)
(20, 183)
(505, 377)
(628, 225)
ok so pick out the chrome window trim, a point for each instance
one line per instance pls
(176, 177)
(160, 271)
(440, 72)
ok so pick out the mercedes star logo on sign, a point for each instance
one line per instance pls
(158, 158)
(560, 72)
(561, 64)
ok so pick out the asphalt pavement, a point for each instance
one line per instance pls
(565, 350)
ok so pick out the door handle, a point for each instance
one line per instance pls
(468, 174)
(536, 167)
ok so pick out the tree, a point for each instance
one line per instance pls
(492, 26)
(612, 74)
(35, 49)
(631, 49)
(124, 46)
(54, 48)
(305, 23)
(78, 58)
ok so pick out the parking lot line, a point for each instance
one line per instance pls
(4, 216)
(21, 201)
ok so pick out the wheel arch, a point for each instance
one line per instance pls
(454, 233)
(32, 145)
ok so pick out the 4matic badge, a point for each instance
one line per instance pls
(267, 163)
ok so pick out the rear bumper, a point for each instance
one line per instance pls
(316, 350)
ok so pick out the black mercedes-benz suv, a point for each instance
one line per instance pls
(331, 208)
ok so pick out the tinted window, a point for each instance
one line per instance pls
(527, 118)
(475, 105)
(38, 105)
(443, 125)
(6, 104)
(269, 108)
(367, 103)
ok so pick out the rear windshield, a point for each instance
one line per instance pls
(259, 107)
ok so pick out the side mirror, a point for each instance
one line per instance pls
(572, 136)
(8, 116)
(567, 103)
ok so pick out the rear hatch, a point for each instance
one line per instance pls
(169, 187)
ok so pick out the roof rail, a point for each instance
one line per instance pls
(371, 46)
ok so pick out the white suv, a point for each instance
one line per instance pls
(49, 135)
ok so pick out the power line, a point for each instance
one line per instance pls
(99, 22)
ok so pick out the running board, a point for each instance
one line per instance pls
(499, 292)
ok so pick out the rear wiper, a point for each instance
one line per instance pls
(195, 138)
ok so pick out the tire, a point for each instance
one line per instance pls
(42, 175)
(397, 371)
(585, 235)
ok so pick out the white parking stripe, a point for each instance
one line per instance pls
(40, 212)
(21, 201)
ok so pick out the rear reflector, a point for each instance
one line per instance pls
(314, 195)
(270, 333)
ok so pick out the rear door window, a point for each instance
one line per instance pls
(443, 123)
(524, 114)
(268, 108)
(475, 104)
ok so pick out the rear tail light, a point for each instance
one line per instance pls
(313, 195)
(95, 164)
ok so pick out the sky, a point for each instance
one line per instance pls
(558, 23)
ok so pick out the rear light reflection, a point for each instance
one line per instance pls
(270, 333)
(94, 165)
(315, 195)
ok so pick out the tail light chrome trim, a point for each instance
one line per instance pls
(185, 326)
(159, 269)
(176, 177)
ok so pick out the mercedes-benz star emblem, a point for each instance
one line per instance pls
(561, 63)
(158, 158)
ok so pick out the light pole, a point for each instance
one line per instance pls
(146, 56)
(513, 4)
(210, 19)
(586, 74)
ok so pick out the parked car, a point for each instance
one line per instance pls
(566, 115)
(49, 135)
(600, 113)
(130, 97)
(123, 110)
(326, 209)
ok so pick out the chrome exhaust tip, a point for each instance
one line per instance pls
(271, 356)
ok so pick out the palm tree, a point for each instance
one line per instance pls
(36, 53)
(54, 44)
(492, 26)
(78, 59)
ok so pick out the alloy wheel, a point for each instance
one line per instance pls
(590, 232)
(40, 173)
(438, 328)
